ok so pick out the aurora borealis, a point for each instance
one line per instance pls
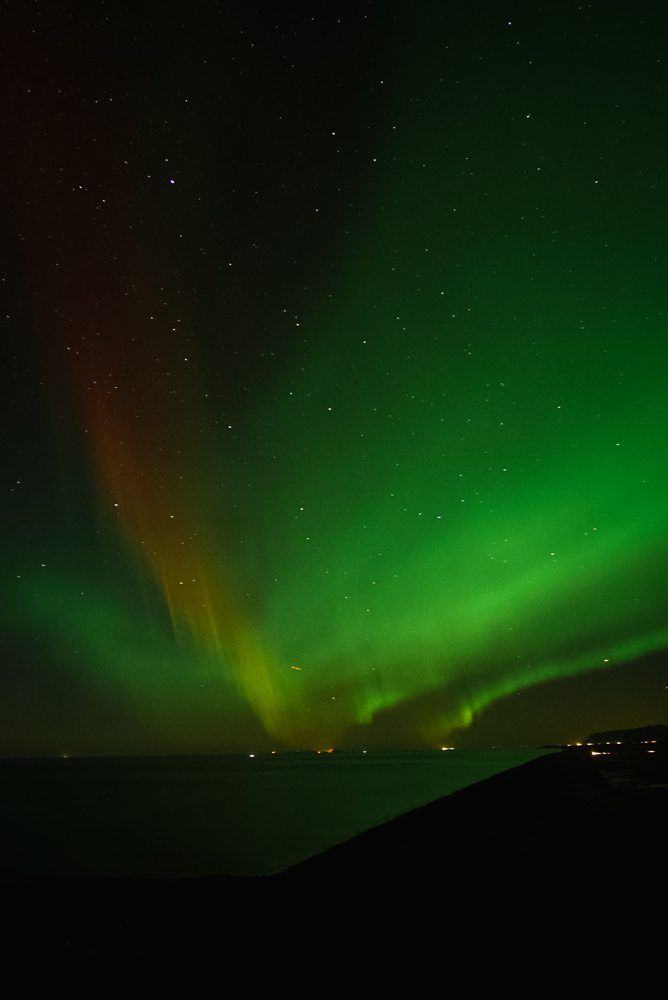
(336, 371)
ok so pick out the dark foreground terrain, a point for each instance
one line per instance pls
(575, 838)
(597, 817)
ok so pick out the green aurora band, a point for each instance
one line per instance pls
(450, 487)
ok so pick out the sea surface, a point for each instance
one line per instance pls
(162, 817)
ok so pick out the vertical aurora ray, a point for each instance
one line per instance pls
(120, 390)
(146, 460)
(376, 482)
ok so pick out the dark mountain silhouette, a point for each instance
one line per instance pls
(658, 733)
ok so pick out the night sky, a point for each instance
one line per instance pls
(334, 374)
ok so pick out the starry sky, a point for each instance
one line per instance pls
(334, 374)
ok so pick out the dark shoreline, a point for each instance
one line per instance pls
(615, 798)
(562, 832)
(564, 819)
